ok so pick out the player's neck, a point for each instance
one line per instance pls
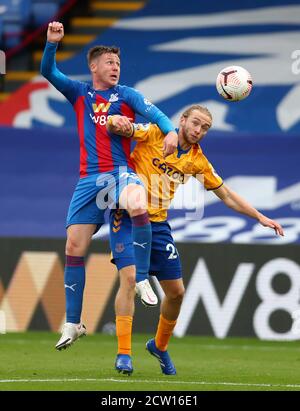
(184, 145)
(98, 85)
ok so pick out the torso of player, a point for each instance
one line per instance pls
(162, 176)
(98, 151)
(100, 104)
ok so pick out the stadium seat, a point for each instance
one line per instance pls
(43, 11)
(12, 34)
(17, 11)
(16, 16)
(60, 2)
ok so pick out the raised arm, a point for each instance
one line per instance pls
(49, 70)
(55, 33)
(237, 203)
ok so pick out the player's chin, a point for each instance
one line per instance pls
(113, 82)
(193, 139)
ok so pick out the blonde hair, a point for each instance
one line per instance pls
(203, 109)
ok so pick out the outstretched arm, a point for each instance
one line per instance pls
(55, 33)
(49, 70)
(237, 203)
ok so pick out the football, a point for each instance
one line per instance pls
(234, 83)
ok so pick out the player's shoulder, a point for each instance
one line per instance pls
(155, 130)
(142, 126)
(83, 86)
(123, 89)
(198, 156)
(151, 129)
(127, 91)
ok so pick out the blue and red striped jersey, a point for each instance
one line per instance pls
(99, 150)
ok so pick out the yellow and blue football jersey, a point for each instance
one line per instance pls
(162, 176)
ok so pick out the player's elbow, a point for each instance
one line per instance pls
(44, 68)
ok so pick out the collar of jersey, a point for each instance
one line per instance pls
(179, 149)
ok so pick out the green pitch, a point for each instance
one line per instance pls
(28, 361)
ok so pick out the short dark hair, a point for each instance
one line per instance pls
(203, 109)
(97, 51)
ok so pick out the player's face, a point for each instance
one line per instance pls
(106, 69)
(195, 126)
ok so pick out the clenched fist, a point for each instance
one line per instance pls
(55, 32)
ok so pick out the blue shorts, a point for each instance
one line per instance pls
(165, 261)
(97, 192)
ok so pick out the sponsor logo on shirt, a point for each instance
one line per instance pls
(102, 107)
(169, 171)
(113, 98)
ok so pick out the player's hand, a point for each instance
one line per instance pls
(55, 32)
(170, 143)
(121, 125)
(267, 222)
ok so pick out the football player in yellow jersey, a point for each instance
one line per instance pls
(161, 177)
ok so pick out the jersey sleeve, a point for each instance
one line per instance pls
(148, 110)
(207, 175)
(69, 88)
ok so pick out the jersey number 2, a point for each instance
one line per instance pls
(173, 255)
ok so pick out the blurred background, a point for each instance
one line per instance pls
(241, 280)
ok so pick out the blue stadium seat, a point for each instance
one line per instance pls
(60, 2)
(43, 11)
(12, 34)
(16, 16)
(17, 11)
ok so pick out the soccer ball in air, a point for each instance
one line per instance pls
(234, 83)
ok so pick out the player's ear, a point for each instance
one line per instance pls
(182, 121)
(93, 67)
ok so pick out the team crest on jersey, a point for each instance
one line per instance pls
(147, 102)
(119, 247)
(113, 98)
